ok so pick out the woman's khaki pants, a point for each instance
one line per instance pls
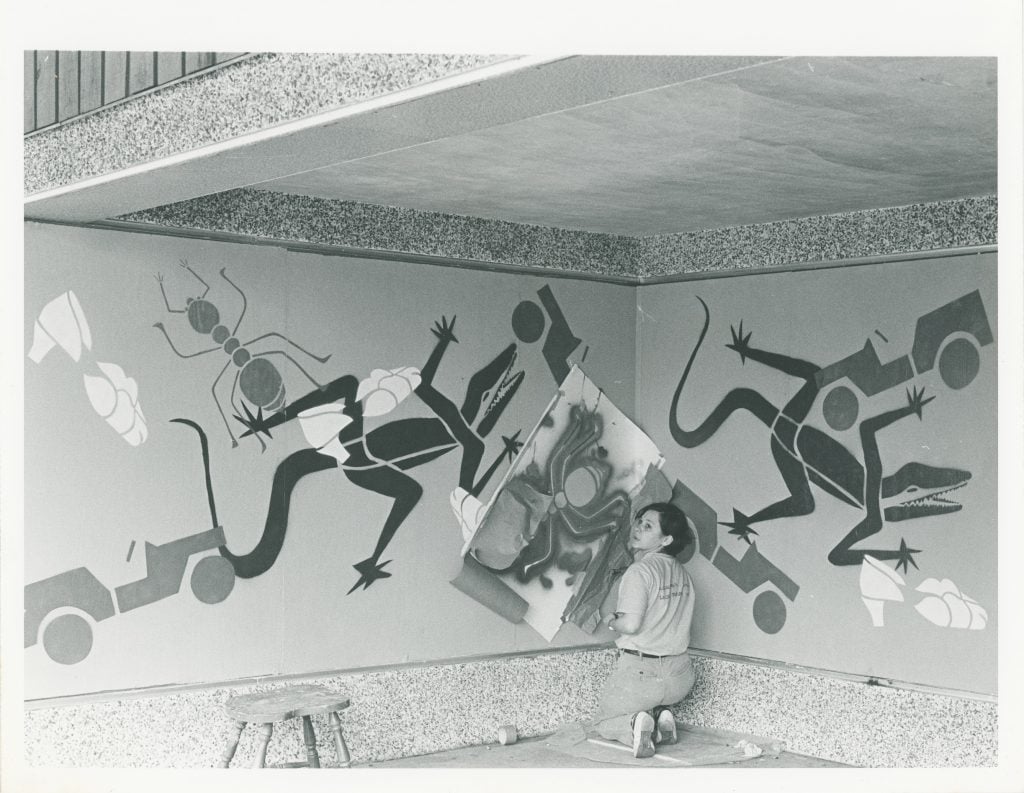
(640, 684)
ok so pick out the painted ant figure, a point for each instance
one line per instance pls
(260, 381)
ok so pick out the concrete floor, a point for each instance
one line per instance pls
(537, 753)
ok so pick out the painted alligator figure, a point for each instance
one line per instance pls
(806, 455)
(377, 460)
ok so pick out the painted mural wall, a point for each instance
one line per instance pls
(835, 435)
(241, 461)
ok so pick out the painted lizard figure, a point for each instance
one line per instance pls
(377, 460)
(806, 455)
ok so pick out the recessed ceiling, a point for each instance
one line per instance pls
(770, 140)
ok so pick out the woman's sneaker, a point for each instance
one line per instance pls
(643, 732)
(665, 726)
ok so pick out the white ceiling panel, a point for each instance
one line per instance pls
(763, 141)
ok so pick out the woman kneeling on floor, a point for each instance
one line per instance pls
(652, 618)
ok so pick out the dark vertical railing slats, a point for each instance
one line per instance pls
(115, 76)
(46, 87)
(194, 61)
(65, 84)
(90, 80)
(30, 90)
(141, 71)
(168, 66)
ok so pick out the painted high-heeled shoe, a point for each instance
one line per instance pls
(469, 511)
(879, 583)
(61, 322)
(321, 425)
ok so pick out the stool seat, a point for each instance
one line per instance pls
(298, 701)
(285, 703)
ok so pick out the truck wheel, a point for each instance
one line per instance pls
(959, 363)
(769, 611)
(68, 639)
(213, 579)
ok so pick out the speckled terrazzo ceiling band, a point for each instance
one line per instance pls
(241, 98)
(826, 238)
(322, 221)
(874, 232)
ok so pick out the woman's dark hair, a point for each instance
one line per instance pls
(673, 524)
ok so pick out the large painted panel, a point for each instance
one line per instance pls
(240, 461)
(549, 546)
(836, 431)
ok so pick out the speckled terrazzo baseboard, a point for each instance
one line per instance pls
(843, 720)
(874, 232)
(404, 712)
(243, 97)
(896, 230)
(394, 713)
(260, 213)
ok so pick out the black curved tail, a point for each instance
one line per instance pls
(204, 443)
(681, 436)
(737, 399)
(288, 473)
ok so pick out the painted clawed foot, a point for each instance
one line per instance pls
(905, 556)
(740, 343)
(254, 424)
(842, 555)
(512, 445)
(740, 526)
(916, 401)
(445, 330)
(369, 571)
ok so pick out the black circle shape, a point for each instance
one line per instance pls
(840, 408)
(528, 322)
(68, 639)
(769, 611)
(212, 579)
(959, 363)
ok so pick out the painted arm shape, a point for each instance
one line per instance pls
(344, 387)
(800, 404)
(872, 522)
(445, 409)
(445, 333)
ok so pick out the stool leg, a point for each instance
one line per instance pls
(310, 738)
(233, 737)
(339, 740)
(266, 730)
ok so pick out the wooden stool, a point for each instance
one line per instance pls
(286, 703)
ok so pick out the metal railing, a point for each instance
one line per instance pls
(62, 85)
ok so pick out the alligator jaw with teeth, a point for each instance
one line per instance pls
(917, 490)
(492, 388)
